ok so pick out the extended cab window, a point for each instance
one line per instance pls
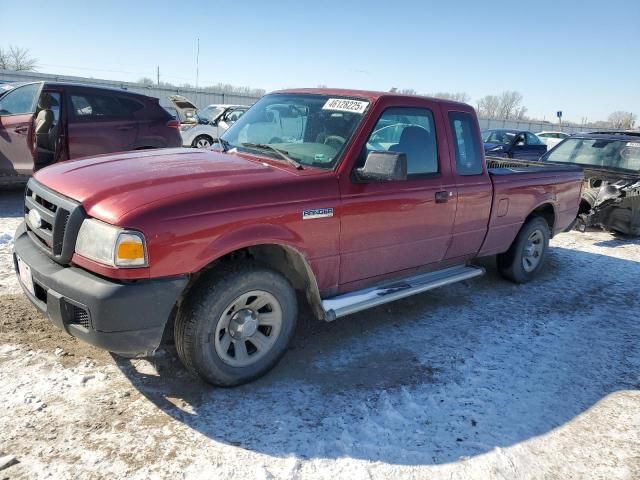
(92, 106)
(410, 131)
(468, 156)
(20, 100)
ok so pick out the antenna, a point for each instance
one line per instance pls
(197, 62)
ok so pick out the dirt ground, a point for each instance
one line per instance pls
(484, 379)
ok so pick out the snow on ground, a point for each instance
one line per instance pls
(483, 379)
(11, 214)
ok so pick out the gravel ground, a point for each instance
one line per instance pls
(483, 379)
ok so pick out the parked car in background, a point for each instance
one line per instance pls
(358, 199)
(42, 123)
(508, 143)
(611, 163)
(211, 123)
(551, 139)
(173, 112)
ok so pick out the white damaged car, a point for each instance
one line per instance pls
(202, 128)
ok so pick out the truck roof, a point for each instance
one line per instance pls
(370, 95)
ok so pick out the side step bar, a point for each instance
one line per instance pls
(353, 302)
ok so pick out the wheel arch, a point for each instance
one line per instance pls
(277, 255)
(547, 211)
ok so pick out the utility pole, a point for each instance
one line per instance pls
(158, 74)
(197, 62)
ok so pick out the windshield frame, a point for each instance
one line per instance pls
(335, 161)
(589, 166)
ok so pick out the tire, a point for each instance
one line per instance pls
(216, 321)
(528, 252)
(202, 141)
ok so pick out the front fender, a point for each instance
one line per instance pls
(249, 236)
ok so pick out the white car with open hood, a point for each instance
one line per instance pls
(202, 128)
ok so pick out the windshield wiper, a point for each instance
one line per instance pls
(281, 153)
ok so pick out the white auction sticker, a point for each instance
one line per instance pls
(633, 144)
(345, 105)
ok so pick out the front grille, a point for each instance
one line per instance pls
(59, 219)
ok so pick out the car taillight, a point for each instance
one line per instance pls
(173, 124)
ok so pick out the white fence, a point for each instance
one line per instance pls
(535, 127)
(197, 96)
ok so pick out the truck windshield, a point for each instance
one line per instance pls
(602, 153)
(310, 129)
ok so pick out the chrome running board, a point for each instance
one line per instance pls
(353, 302)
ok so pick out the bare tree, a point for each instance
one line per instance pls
(510, 105)
(622, 120)
(507, 105)
(18, 59)
(488, 106)
(407, 91)
(455, 96)
(146, 81)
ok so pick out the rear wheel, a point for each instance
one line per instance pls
(236, 325)
(202, 141)
(527, 254)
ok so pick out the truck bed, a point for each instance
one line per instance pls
(508, 166)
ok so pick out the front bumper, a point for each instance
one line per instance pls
(127, 318)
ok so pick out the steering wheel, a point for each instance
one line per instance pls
(335, 141)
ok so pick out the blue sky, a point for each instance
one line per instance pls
(579, 57)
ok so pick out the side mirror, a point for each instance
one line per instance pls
(383, 167)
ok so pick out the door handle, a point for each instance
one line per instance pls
(443, 196)
(124, 129)
(21, 129)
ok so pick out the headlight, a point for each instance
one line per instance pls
(111, 245)
(186, 126)
(496, 149)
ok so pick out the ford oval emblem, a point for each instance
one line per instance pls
(35, 219)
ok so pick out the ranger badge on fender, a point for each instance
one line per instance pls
(317, 213)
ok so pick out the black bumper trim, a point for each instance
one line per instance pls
(127, 318)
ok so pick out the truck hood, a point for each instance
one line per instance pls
(111, 186)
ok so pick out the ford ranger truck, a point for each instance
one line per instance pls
(350, 198)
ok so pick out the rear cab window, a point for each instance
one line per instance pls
(468, 150)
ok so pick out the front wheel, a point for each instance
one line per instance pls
(527, 253)
(235, 325)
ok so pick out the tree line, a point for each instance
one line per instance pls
(508, 105)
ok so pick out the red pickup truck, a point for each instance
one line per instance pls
(351, 198)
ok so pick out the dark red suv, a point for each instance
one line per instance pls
(45, 122)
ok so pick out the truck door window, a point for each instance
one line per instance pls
(467, 147)
(410, 131)
(20, 100)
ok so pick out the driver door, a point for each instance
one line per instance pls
(17, 108)
(388, 228)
